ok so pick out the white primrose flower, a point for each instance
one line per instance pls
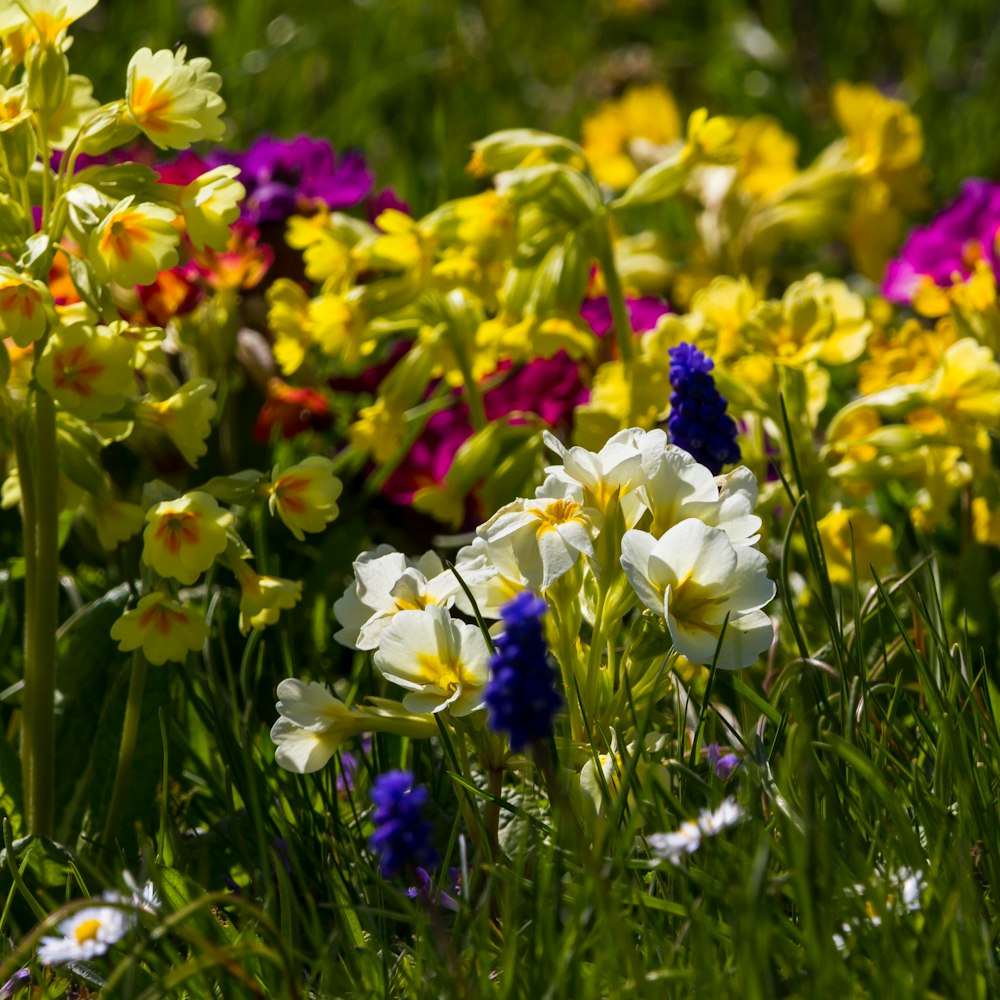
(591, 478)
(695, 577)
(444, 663)
(546, 536)
(687, 839)
(88, 933)
(679, 488)
(312, 724)
(492, 576)
(386, 582)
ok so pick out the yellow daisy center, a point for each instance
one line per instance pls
(87, 930)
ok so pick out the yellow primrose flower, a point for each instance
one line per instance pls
(872, 540)
(337, 327)
(211, 204)
(379, 430)
(711, 139)
(49, 18)
(305, 495)
(985, 522)
(134, 243)
(263, 598)
(288, 317)
(767, 157)
(183, 537)
(78, 104)
(726, 304)
(162, 628)
(967, 385)
(905, 356)
(114, 520)
(185, 417)
(23, 301)
(173, 101)
(443, 662)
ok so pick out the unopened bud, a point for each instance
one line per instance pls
(47, 71)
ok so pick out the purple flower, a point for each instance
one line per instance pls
(642, 312)
(402, 837)
(521, 694)
(722, 764)
(443, 899)
(15, 984)
(698, 421)
(953, 242)
(283, 175)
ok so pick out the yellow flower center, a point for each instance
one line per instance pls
(176, 529)
(442, 674)
(76, 370)
(560, 512)
(120, 234)
(288, 490)
(87, 930)
(691, 604)
(148, 105)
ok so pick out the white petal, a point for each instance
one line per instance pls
(636, 549)
(301, 750)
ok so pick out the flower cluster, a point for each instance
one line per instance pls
(402, 836)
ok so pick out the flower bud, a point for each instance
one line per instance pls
(17, 138)
(47, 71)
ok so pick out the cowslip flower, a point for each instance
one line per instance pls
(184, 537)
(402, 837)
(134, 242)
(312, 724)
(211, 204)
(185, 417)
(263, 598)
(162, 628)
(871, 540)
(698, 421)
(88, 370)
(687, 839)
(23, 301)
(443, 663)
(49, 18)
(174, 102)
(115, 521)
(90, 932)
(521, 696)
(305, 496)
(696, 578)
(385, 583)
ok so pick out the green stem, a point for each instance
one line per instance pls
(473, 394)
(616, 294)
(26, 476)
(596, 649)
(44, 620)
(126, 749)
(565, 651)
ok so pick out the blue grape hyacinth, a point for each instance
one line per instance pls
(521, 694)
(402, 837)
(698, 421)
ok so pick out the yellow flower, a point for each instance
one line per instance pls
(162, 628)
(289, 320)
(905, 356)
(379, 430)
(23, 313)
(985, 522)
(263, 598)
(711, 139)
(967, 385)
(183, 537)
(77, 106)
(873, 545)
(726, 304)
(134, 243)
(49, 18)
(767, 157)
(337, 328)
(174, 102)
(305, 495)
(115, 521)
(88, 370)
(211, 205)
(185, 417)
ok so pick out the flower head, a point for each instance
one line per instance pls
(183, 537)
(162, 628)
(442, 662)
(211, 204)
(88, 933)
(134, 243)
(263, 598)
(402, 837)
(686, 840)
(292, 409)
(521, 696)
(698, 421)
(175, 102)
(23, 300)
(305, 495)
(185, 417)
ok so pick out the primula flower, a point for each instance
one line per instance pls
(183, 537)
(402, 837)
(695, 578)
(305, 496)
(967, 385)
(673, 846)
(872, 542)
(173, 101)
(547, 536)
(88, 933)
(263, 598)
(88, 370)
(385, 583)
(134, 243)
(521, 695)
(23, 314)
(115, 521)
(162, 628)
(211, 204)
(185, 417)
(49, 18)
(442, 662)
(491, 574)
(293, 410)
(698, 421)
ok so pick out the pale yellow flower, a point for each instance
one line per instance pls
(305, 495)
(134, 243)
(872, 541)
(162, 628)
(184, 537)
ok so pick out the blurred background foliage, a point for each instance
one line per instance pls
(413, 82)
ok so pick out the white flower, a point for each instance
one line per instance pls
(442, 662)
(686, 840)
(492, 576)
(88, 933)
(386, 582)
(546, 536)
(144, 897)
(695, 577)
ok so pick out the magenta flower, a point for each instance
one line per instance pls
(643, 313)
(964, 233)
